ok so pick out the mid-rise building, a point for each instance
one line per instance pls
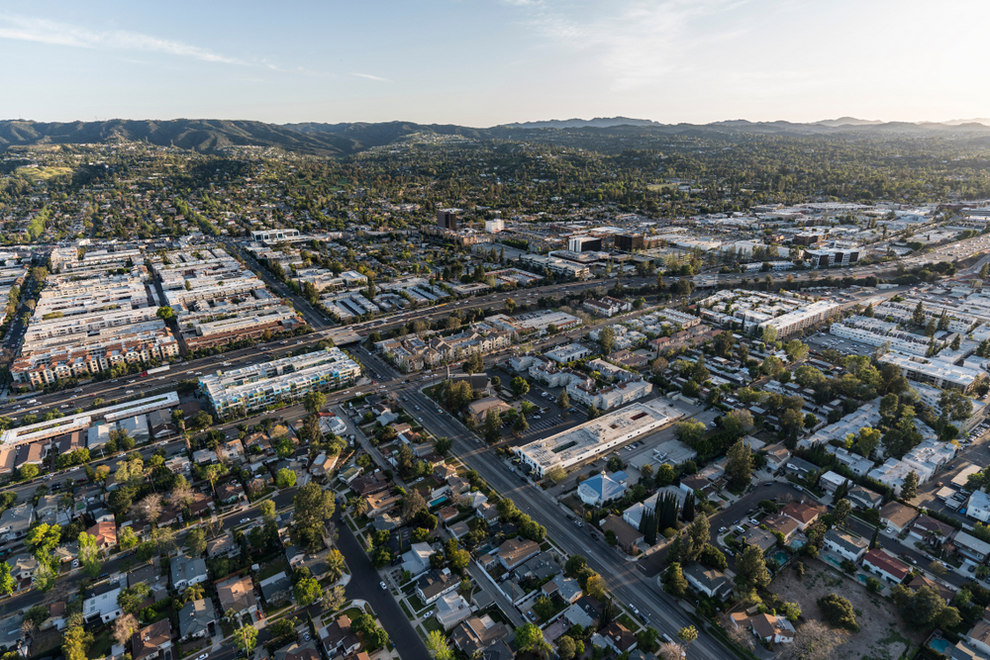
(265, 384)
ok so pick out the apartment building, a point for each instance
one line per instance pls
(755, 311)
(258, 386)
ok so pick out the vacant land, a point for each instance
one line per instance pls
(882, 635)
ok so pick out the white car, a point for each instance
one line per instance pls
(383, 586)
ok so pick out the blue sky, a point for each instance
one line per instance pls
(484, 62)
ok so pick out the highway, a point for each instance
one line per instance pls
(135, 386)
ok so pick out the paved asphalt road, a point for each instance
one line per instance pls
(364, 585)
(133, 386)
(626, 582)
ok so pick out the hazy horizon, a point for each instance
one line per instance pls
(493, 62)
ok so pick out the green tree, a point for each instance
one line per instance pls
(7, 581)
(529, 639)
(285, 478)
(519, 386)
(868, 440)
(42, 539)
(89, 554)
(75, 643)
(314, 401)
(28, 471)
(436, 644)
(674, 581)
(306, 591)
(245, 638)
(690, 431)
(739, 466)
(566, 647)
(564, 401)
(127, 539)
(196, 541)
(737, 422)
(492, 429)
(838, 612)
(841, 511)
(688, 634)
(909, 489)
(751, 569)
(313, 507)
(606, 339)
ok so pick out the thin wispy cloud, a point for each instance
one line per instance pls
(39, 30)
(369, 76)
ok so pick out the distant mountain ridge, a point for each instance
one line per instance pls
(597, 122)
(344, 139)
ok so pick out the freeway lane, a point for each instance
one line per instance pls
(118, 388)
(626, 582)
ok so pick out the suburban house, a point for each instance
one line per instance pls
(338, 639)
(451, 609)
(197, 618)
(515, 551)
(477, 634)
(153, 641)
(187, 571)
(435, 584)
(930, 530)
(864, 497)
(971, 547)
(885, 565)
(896, 516)
(708, 581)
(237, 594)
(846, 545)
(805, 514)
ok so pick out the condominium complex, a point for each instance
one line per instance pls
(216, 300)
(86, 323)
(940, 372)
(411, 352)
(754, 311)
(622, 386)
(877, 332)
(596, 437)
(258, 386)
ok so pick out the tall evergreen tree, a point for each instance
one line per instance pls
(648, 526)
(687, 511)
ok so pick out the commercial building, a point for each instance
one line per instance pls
(584, 244)
(258, 386)
(836, 255)
(448, 218)
(595, 437)
(556, 266)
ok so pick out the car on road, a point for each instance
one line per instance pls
(245, 520)
(202, 656)
(383, 586)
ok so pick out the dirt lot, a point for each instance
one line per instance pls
(882, 635)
